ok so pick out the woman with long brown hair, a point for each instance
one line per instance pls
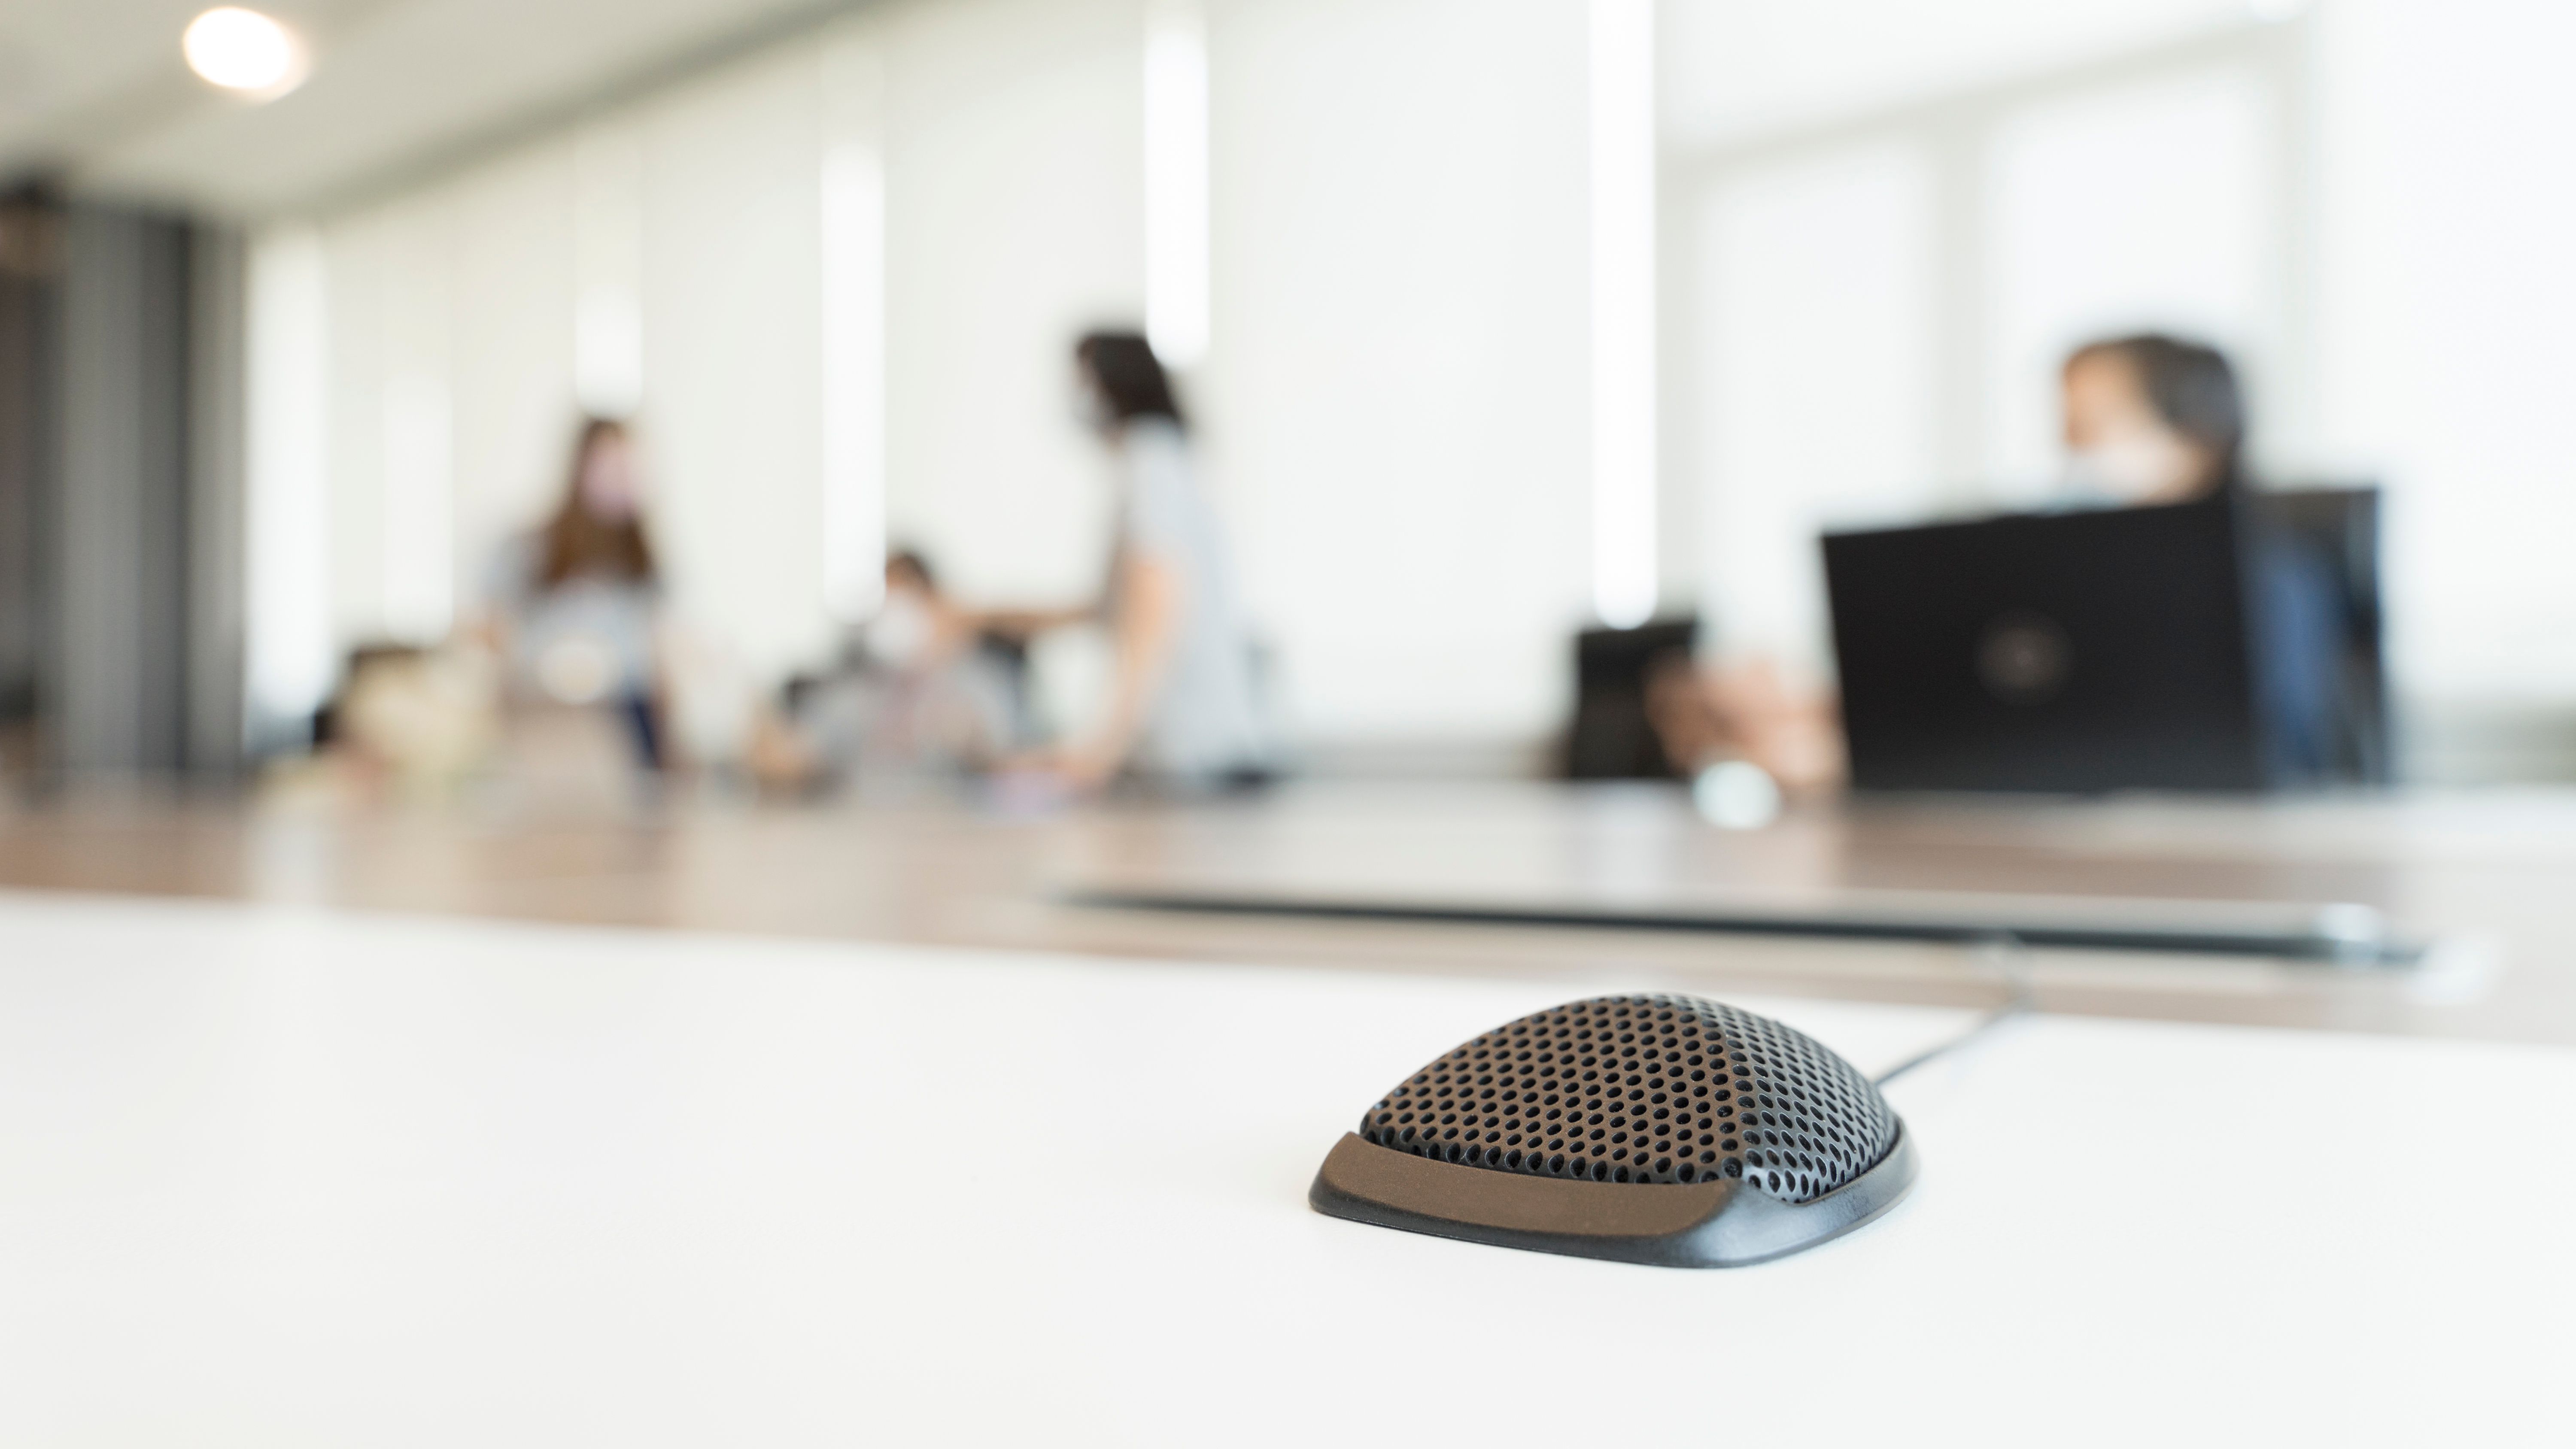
(577, 602)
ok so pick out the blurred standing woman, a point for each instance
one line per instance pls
(575, 605)
(1183, 706)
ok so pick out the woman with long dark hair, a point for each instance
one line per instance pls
(1183, 705)
(577, 602)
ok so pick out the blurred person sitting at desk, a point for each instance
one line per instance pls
(1183, 707)
(920, 691)
(574, 608)
(2152, 421)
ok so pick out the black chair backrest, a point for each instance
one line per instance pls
(1009, 658)
(1612, 738)
(2341, 525)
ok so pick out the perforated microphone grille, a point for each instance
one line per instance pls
(1644, 1089)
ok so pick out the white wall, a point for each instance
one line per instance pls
(2449, 304)
(1813, 405)
(1736, 68)
(1015, 213)
(732, 307)
(510, 353)
(2146, 204)
(1398, 381)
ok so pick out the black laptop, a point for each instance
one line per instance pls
(2074, 653)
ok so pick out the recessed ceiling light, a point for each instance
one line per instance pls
(243, 50)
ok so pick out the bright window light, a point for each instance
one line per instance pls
(608, 350)
(243, 50)
(608, 272)
(853, 211)
(854, 482)
(288, 629)
(1623, 311)
(1176, 182)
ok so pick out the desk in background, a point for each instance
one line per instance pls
(2486, 873)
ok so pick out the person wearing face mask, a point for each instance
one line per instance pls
(920, 693)
(1183, 706)
(2152, 421)
(575, 607)
(915, 627)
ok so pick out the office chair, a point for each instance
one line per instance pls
(2340, 525)
(1612, 738)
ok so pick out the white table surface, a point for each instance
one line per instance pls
(284, 1179)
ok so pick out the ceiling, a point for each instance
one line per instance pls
(94, 91)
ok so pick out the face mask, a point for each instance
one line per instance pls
(900, 633)
(608, 486)
(2134, 467)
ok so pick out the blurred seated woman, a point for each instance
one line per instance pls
(2150, 421)
(574, 608)
(2153, 420)
(920, 692)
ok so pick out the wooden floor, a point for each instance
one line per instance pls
(2487, 878)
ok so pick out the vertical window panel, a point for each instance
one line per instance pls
(1176, 181)
(1624, 586)
(288, 555)
(853, 341)
(1816, 340)
(733, 428)
(2140, 208)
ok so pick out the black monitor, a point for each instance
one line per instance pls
(2074, 653)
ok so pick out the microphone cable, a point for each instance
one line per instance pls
(2012, 959)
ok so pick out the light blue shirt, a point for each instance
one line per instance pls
(1205, 719)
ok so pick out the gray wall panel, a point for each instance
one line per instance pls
(120, 536)
(217, 350)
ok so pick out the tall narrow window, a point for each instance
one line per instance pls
(608, 272)
(1176, 181)
(288, 623)
(2111, 211)
(1623, 310)
(1816, 339)
(415, 304)
(853, 342)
